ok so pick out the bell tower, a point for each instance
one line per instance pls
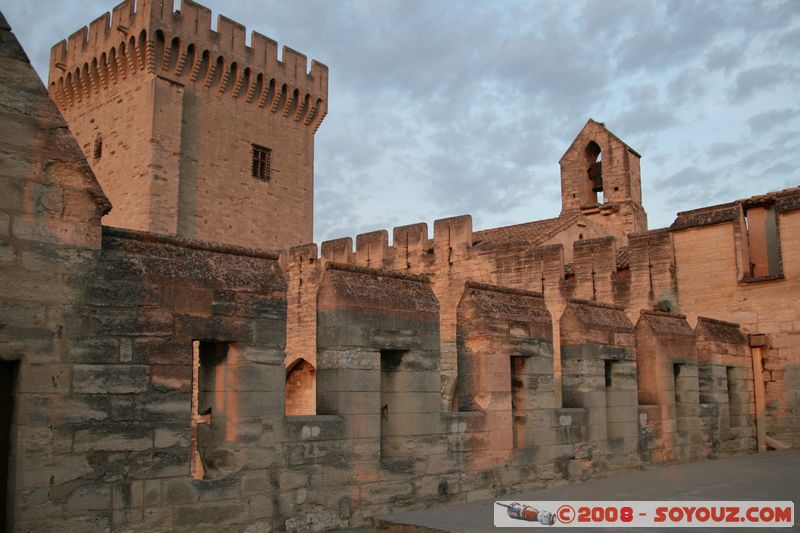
(600, 178)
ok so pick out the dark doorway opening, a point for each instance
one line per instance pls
(8, 378)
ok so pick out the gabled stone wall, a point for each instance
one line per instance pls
(667, 375)
(598, 355)
(505, 357)
(726, 387)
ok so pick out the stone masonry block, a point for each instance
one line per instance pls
(211, 514)
(128, 494)
(110, 379)
(113, 436)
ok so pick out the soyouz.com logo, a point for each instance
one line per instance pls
(749, 514)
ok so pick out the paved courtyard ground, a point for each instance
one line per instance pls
(768, 476)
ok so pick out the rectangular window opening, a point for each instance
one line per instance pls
(615, 409)
(761, 226)
(685, 385)
(391, 396)
(208, 400)
(734, 406)
(518, 387)
(262, 162)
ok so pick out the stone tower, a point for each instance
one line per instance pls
(600, 179)
(190, 131)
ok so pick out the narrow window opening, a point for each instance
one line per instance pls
(734, 405)
(615, 404)
(518, 387)
(569, 273)
(685, 395)
(392, 406)
(208, 403)
(98, 147)
(8, 379)
(262, 163)
(608, 371)
(593, 183)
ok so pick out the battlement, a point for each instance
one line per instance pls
(592, 276)
(409, 242)
(148, 37)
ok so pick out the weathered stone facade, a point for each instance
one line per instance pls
(154, 382)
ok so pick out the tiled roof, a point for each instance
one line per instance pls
(535, 232)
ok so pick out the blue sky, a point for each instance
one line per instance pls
(445, 107)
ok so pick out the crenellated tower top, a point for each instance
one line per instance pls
(148, 37)
(190, 130)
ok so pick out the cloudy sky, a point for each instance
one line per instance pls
(445, 107)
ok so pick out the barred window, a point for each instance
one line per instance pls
(261, 162)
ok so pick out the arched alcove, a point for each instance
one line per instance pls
(594, 173)
(301, 389)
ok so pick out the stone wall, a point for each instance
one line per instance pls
(694, 268)
(640, 275)
(127, 428)
(505, 357)
(149, 372)
(667, 377)
(726, 387)
(713, 280)
(598, 355)
(50, 209)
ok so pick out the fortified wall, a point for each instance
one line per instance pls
(157, 382)
(638, 276)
